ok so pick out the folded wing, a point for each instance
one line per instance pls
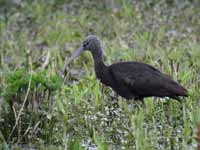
(144, 80)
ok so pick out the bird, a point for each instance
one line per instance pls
(130, 79)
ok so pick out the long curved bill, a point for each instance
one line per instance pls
(73, 56)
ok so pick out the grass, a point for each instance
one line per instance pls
(38, 108)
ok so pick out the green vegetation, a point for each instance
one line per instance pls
(40, 109)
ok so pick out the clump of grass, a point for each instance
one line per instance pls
(38, 102)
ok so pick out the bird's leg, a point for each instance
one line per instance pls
(141, 99)
(102, 91)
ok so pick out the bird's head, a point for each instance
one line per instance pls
(92, 43)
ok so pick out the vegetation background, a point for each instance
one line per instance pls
(41, 110)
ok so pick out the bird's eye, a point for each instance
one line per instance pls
(85, 43)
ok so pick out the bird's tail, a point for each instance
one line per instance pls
(177, 89)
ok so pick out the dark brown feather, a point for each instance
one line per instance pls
(138, 80)
(130, 79)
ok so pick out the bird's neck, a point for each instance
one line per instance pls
(100, 67)
(98, 58)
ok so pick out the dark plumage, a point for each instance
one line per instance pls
(131, 80)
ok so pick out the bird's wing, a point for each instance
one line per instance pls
(142, 79)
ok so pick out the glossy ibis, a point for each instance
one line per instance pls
(131, 80)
